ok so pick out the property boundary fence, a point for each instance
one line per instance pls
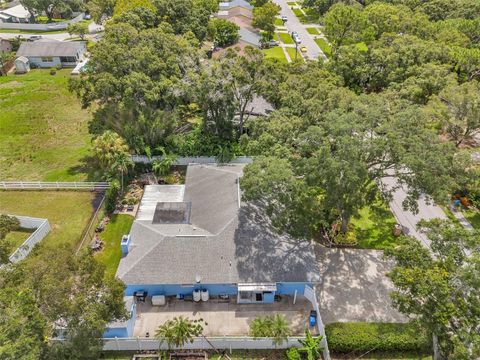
(199, 343)
(191, 160)
(46, 185)
(89, 231)
(42, 227)
(41, 27)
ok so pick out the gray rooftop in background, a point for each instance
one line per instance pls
(235, 3)
(223, 243)
(50, 48)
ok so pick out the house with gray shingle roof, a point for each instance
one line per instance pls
(50, 53)
(200, 237)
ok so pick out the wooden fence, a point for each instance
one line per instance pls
(89, 231)
(53, 185)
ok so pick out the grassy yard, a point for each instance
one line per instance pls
(313, 31)
(373, 227)
(68, 212)
(278, 22)
(16, 31)
(286, 38)
(112, 235)
(324, 46)
(44, 132)
(291, 52)
(275, 53)
(17, 238)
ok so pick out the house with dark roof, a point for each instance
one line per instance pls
(50, 53)
(200, 238)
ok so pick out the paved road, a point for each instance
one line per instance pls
(354, 286)
(293, 24)
(60, 37)
(409, 220)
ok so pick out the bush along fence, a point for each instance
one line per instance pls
(382, 337)
(42, 227)
(42, 27)
(191, 160)
(52, 185)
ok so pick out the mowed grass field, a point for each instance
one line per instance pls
(68, 212)
(43, 129)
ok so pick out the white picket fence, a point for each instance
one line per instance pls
(42, 227)
(41, 27)
(199, 343)
(191, 160)
(45, 185)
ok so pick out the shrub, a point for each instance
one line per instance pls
(58, 67)
(53, 71)
(7, 224)
(111, 196)
(293, 354)
(347, 337)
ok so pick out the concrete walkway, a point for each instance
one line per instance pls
(294, 24)
(354, 286)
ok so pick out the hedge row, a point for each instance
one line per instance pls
(348, 337)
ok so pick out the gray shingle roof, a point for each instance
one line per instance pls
(224, 243)
(50, 48)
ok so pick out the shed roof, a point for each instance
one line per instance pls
(22, 59)
(223, 243)
(50, 48)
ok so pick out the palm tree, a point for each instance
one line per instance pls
(162, 167)
(280, 329)
(111, 152)
(122, 163)
(311, 346)
(179, 331)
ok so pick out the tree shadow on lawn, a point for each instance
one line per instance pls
(87, 166)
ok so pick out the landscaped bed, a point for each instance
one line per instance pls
(313, 31)
(44, 132)
(68, 212)
(291, 52)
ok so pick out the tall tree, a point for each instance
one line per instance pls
(111, 152)
(51, 7)
(440, 288)
(457, 109)
(264, 18)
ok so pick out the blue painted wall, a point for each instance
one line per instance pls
(289, 288)
(123, 331)
(169, 290)
(268, 298)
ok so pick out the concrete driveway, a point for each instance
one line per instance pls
(354, 286)
(406, 218)
(293, 24)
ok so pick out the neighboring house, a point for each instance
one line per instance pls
(50, 53)
(15, 14)
(200, 237)
(234, 4)
(242, 16)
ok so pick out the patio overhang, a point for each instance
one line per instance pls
(257, 287)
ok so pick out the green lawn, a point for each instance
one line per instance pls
(292, 3)
(473, 217)
(68, 212)
(16, 238)
(291, 52)
(275, 53)
(373, 227)
(44, 130)
(278, 22)
(313, 31)
(111, 254)
(324, 46)
(286, 38)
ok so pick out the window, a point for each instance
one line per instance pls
(47, 59)
(68, 59)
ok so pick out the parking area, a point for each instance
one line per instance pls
(354, 286)
(222, 317)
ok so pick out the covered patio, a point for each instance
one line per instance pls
(222, 317)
